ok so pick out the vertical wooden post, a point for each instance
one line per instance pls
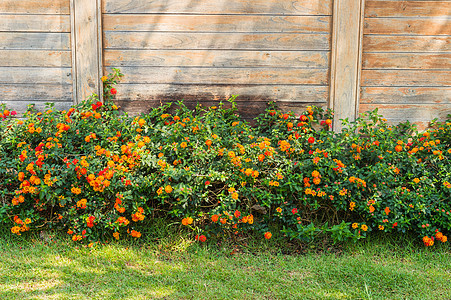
(86, 38)
(346, 59)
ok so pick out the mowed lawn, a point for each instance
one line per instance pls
(176, 268)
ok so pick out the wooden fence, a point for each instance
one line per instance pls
(349, 55)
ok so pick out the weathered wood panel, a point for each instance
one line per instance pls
(214, 41)
(33, 23)
(175, 92)
(217, 23)
(87, 48)
(272, 7)
(389, 43)
(404, 9)
(421, 113)
(407, 26)
(29, 41)
(406, 77)
(218, 58)
(248, 108)
(36, 92)
(225, 75)
(345, 61)
(407, 61)
(34, 7)
(406, 95)
(36, 75)
(21, 106)
(35, 58)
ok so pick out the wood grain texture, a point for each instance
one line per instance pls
(406, 95)
(217, 23)
(21, 106)
(345, 60)
(406, 61)
(411, 26)
(404, 9)
(217, 58)
(18, 75)
(175, 92)
(36, 92)
(86, 47)
(33, 23)
(42, 41)
(388, 43)
(211, 41)
(34, 7)
(247, 108)
(406, 78)
(35, 58)
(272, 7)
(224, 75)
(396, 113)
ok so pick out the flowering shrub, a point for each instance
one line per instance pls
(97, 173)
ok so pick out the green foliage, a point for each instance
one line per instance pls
(97, 173)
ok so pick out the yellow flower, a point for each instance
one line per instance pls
(168, 189)
(381, 227)
(364, 227)
(104, 78)
(279, 210)
(355, 225)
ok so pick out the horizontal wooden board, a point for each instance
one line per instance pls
(387, 43)
(33, 23)
(406, 61)
(419, 114)
(247, 109)
(176, 92)
(224, 75)
(210, 41)
(405, 95)
(217, 58)
(34, 7)
(35, 58)
(29, 92)
(411, 26)
(21, 106)
(217, 23)
(20, 75)
(402, 9)
(48, 41)
(271, 7)
(406, 78)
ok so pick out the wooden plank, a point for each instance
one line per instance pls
(36, 92)
(406, 78)
(389, 43)
(217, 23)
(396, 113)
(247, 109)
(43, 41)
(35, 58)
(21, 106)
(35, 75)
(346, 60)
(33, 23)
(271, 7)
(86, 48)
(175, 92)
(224, 75)
(210, 41)
(392, 8)
(217, 58)
(412, 26)
(34, 7)
(405, 95)
(406, 61)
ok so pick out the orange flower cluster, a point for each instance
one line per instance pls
(139, 215)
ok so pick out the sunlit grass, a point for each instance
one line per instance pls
(176, 268)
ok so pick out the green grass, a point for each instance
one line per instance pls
(176, 268)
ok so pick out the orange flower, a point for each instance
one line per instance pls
(237, 214)
(135, 234)
(168, 189)
(215, 218)
(268, 235)
(116, 235)
(223, 220)
(387, 210)
(398, 148)
(187, 221)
